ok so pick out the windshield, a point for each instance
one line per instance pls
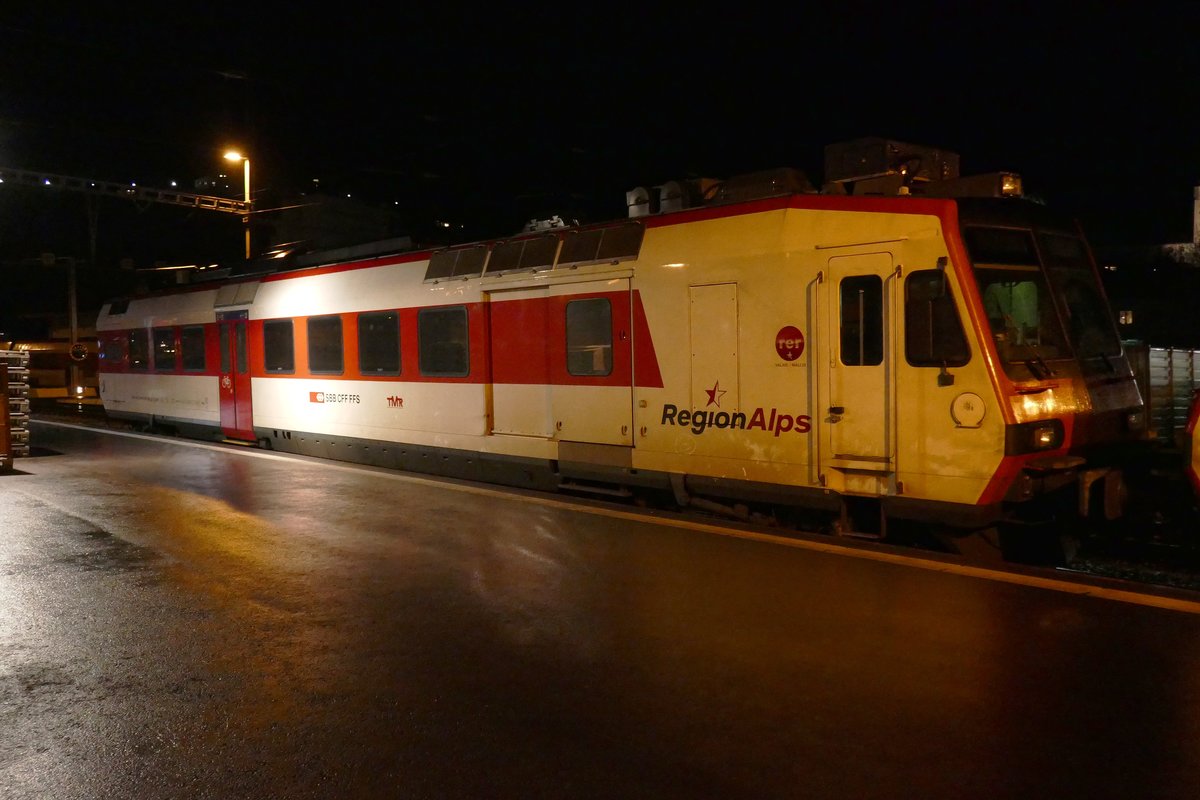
(1020, 274)
(1088, 322)
(1019, 305)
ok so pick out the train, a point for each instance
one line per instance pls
(903, 348)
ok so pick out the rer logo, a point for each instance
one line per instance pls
(789, 343)
(316, 397)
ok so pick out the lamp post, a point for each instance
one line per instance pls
(234, 155)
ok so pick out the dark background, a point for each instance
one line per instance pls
(484, 119)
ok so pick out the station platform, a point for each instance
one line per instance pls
(182, 615)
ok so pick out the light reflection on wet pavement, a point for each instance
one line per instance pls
(180, 621)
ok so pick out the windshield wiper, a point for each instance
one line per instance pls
(1038, 367)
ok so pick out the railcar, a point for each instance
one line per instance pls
(903, 345)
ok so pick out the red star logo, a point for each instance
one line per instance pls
(715, 394)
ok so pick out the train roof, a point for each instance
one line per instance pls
(871, 174)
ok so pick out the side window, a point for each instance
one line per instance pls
(442, 342)
(191, 348)
(139, 349)
(279, 353)
(242, 351)
(589, 337)
(933, 331)
(325, 345)
(164, 348)
(223, 331)
(862, 321)
(113, 349)
(379, 343)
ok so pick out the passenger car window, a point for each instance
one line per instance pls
(589, 337)
(164, 348)
(325, 345)
(442, 342)
(191, 348)
(278, 346)
(139, 349)
(379, 343)
(113, 349)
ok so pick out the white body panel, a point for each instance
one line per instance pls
(185, 308)
(185, 397)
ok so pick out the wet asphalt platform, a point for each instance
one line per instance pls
(193, 621)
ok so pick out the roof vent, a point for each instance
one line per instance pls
(641, 201)
(873, 157)
(757, 185)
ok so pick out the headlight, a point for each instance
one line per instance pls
(1033, 437)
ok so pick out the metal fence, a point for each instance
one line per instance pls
(1168, 379)
(14, 397)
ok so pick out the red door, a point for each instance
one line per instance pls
(236, 421)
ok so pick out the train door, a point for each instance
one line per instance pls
(236, 420)
(860, 412)
(713, 321)
(590, 361)
(519, 332)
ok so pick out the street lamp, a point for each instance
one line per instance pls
(234, 155)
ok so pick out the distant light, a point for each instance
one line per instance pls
(78, 390)
(173, 183)
(133, 183)
(46, 181)
(347, 196)
(234, 155)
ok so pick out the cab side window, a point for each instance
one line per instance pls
(933, 331)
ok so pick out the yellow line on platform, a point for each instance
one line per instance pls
(1184, 605)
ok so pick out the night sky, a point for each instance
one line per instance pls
(490, 117)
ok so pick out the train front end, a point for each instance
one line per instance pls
(1074, 413)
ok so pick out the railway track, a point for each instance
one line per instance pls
(1158, 546)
